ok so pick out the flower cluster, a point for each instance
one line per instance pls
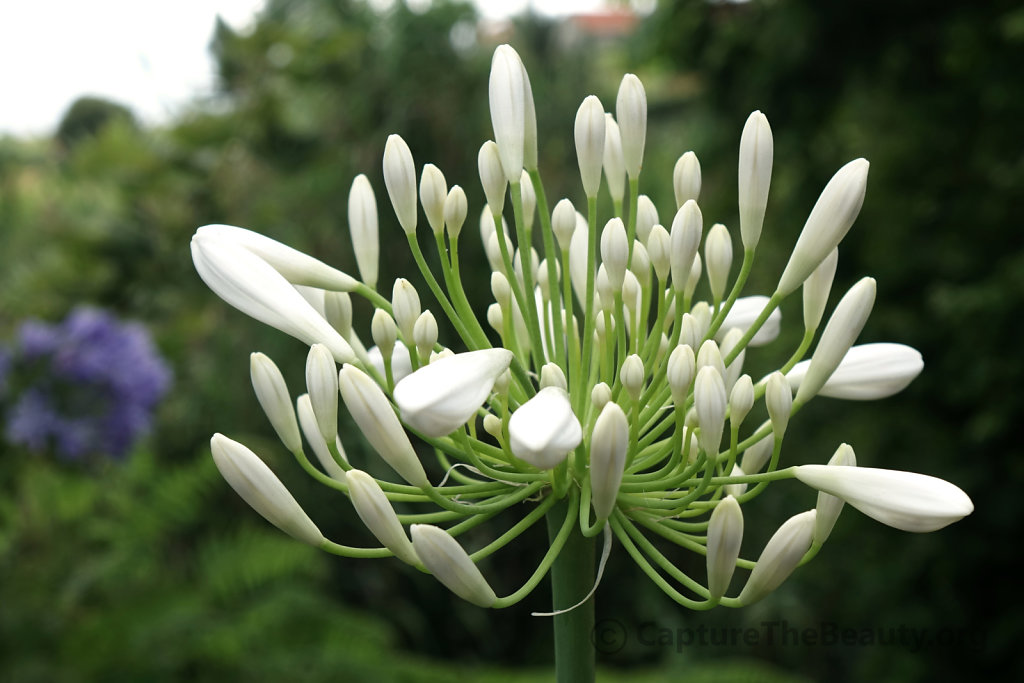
(84, 386)
(599, 382)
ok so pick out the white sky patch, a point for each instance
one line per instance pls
(152, 56)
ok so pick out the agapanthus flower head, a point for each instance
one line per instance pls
(85, 386)
(604, 388)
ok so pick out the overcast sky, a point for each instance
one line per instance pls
(152, 55)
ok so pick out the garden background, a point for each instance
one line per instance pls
(150, 568)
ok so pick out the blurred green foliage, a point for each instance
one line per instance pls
(156, 571)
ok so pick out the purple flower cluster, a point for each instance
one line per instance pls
(85, 386)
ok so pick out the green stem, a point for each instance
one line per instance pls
(572, 577)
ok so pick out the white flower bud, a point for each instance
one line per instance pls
(755, 176)
(441, 397)
(780, 557)
(903, 500)
(632, 297)
(689, 331)
(757, 455)
(701, 313)
(438, 355)
(830, 220)
(867, 372)
(338, 311)
(640, 264)
(646, 217)
(362, 225)
(487, 227)
(311, 430)
(373, 508)
(493, 425)
(243, 278)
(687, 227)
(736, 490)
(816, 290)
(372, 412)
(686, 178)
(502, 383)
(529, 198)
(495, 318)
(433, 193)
(552, 376)
(710, 355)
(609, 445)
(492, 177)
(694, 278)
(848, 319)
(741, 400)
(400, 180)
(578, 258)
(614, 165)
(455, 209)
(631, 113)
(262, 490)
(450, 564)
(732, 372)
(493, 249)
(614, 251)
(742, 315)
(829, 506)
(680, 371)
(725, 534)
(718, 259)
(517, 265)
(405, 304)
(272, 394)
(424, 334)
(605, 291)
(500, 288)
(322, 385)
(401, 362)
(600, 395)
(506, 92)
(659, 250)
(544, 429)
(384, 333)
(632, 376)
(710, 401)
(589, 132)
(778, 398)
(563, 223)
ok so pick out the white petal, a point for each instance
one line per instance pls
(742, 315)
(401, 363)
(725, 534)
(451, 565)
(439, 398)
(780, 557)
(544, 429)
(373, 508)
(608, 449)
(867, 372)
(904, 500)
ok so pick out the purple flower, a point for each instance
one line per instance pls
(87, 385)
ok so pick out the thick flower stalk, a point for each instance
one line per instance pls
(604, 389)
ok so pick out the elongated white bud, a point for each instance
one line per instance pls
(687, 227)
(631, 113)
(311, 430)
(659, 249)
(492, 176)
(424, 334)
(817, 288)
(249, 283)
(646, 217)
(681, 369)
(401, 361)
(829, 506)
(710, 355)
(778, 397)
(322, 385)
(903, 500)
(691, 282)
(732, 372)
(686, 179)
(506, 93)
(384, 333)
(757, 455)
(273, 396)
(600, 395)
(614, 165)
(338, 312)
(780, 557)
(377, 421)
(433, 193)
(755, 176)
(552, 376)
(589, 132)
(373, 508)
(632, 376)
(737, 489)
(725, 534)
(867, 372)
(362, 225)
(563, 223)
(544, 429)
(718, 259)
(400, 180)
(455, 209)
(742, 315)
(450, 564)
(405, 304)
(741, 400)
(843, 327)
(710, 401)
(608, 448)
(829, 221)
(441, 397)
(614, 251)
(529, 199)
(262, 490)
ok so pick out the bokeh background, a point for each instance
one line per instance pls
(146, 566)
